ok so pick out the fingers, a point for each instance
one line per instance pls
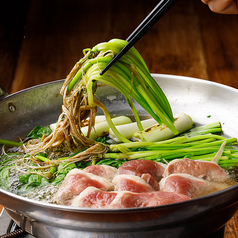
(222, 6)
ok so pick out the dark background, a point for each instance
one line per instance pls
(41, 40)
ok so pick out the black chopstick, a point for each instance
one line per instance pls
(144, 26)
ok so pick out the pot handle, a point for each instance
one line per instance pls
(3, 93)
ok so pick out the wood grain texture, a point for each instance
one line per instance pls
(11, 33)
(41, 40)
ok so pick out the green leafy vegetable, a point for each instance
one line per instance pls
(63, 169)
(31, 181)
(38, 132)
(4, 175)
(23, 178)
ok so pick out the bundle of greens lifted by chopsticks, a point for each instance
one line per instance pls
(129, 75)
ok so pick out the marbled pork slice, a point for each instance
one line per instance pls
(93, 197)
(104, 171)
(189, 185)
(125, 182)
(149, 170)
(202, 169)
(126, 199)
(75, 182)
(142, 166)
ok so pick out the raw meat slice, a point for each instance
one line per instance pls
(144, 168)
(75, 182)
(189, 185)
(126, 199)
(93, 197)
(104, 171)
(125, 182)
(151, 181)
(202, 169)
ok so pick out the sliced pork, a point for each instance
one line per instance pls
(93, 197)
(201, 169)
(104, 171)
(96, 198)
(140, 183)
(75, 182)
(142, 166)
(149, 170)
(150, 180)
(132, 183)
(189, 185)
(126, 199)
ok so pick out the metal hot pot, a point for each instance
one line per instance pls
(204, 101)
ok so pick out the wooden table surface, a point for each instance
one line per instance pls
(41, 40)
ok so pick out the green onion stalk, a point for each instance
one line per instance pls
(198, 143)
(199, 147)
(129, 75)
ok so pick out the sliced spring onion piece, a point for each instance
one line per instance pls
(128, 130)
(182, 122)
(102, 128)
